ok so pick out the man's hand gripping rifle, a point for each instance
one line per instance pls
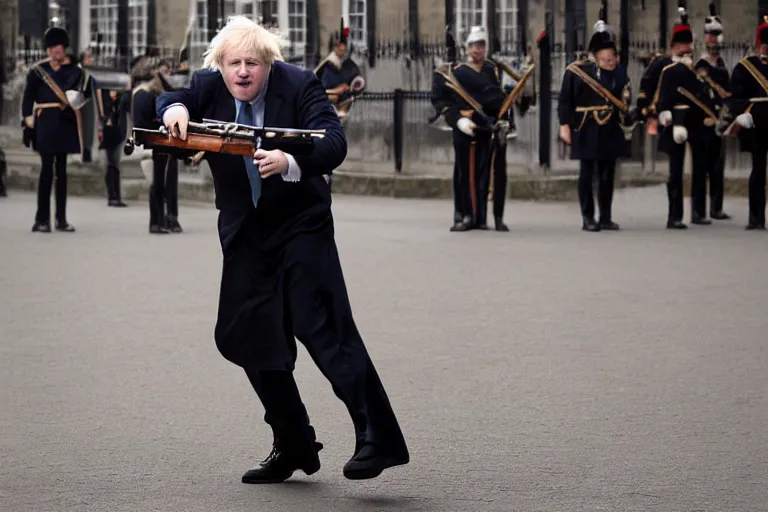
(227, 138)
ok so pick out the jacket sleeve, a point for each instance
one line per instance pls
(565, 104)
(30, 92)
(189, 96)
(648, 86)
(442, 100)
(739, 80)
(317, 113)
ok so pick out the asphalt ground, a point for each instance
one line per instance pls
(545, 369)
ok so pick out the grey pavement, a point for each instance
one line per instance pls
(546, 369)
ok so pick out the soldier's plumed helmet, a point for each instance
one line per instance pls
(55, 36)
(712, 24)
(476, 35)
(681, 33)
(762, 31)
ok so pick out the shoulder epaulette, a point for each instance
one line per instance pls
(43, 61)
(460, 64)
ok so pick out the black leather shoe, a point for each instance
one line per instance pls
(172, 224)
(676, 224)
(158, 230)
(463, 225)
(701, 221)
(41, 227)
(609, 225)
(280, 465)
(65, 226)
(116, 204)
(500, 226)
(482, 227)
(590, 225)
(720, 216)
(753, 227)
(369, 462)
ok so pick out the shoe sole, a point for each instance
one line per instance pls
(368, 473)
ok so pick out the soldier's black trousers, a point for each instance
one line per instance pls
(757, 188)
(675, 183)
(499, 165)
(706, 155)
(49, 161)
(717, 178)
(112, 178)
(606, 172)
(172, 188)
(161, 163)
(471, 197)
(3, 168)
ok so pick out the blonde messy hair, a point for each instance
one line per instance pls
(241, 33)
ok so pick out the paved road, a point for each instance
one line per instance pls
(542, 370)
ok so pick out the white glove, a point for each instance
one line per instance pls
(665, 118)
(680, 134)
(745, 120)
(466, 125)
(176, 119)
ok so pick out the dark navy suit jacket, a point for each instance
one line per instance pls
(295, 98)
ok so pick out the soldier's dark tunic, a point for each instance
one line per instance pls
(56, 133)
(333, 76)
(597, 139)
(744, 86)
(113, 133)
(700, 125)
(485, 88)
(719, 76)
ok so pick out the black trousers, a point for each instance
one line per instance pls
(298, 290)
(112, 178)
(717, 178)
(606, 173)
(499, 169)
(757, 187)
(172, 188)
(45, 184)
(706, 156)
(3, 168)
(471, 183)
(675, 183)
(164, 188)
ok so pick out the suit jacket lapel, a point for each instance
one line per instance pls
(274, 99)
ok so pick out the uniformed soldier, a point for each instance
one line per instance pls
(163, 160)
(594, 110)
(470, 99)
(112, 133)
(711, 67)
(688, 108)
(56, 89)
(340, 75)
(749, 105)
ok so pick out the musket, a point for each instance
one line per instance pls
(227, 138)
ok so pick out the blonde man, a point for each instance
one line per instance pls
(281, 276)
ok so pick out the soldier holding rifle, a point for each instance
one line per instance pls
(596, 121)
(56, 90)
(340, 75)
(470, 98)
(748, 113)
(690, 107)
(282, 276)
(711, 67)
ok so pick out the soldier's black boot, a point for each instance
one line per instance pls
(464, 224)
(172, 224)
(755, 224)
(721, 215)
(589, 224)
(64, 226)
(700, 220)
(41, 227)
(500, 226)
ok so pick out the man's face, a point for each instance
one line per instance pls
(56, 52)
(476, 51)
(763, 49)
(88, 59)
(680, 49)
(244, 74)
(606, 59)
(340, 50)
(710, 40)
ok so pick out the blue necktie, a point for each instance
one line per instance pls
(246, 117)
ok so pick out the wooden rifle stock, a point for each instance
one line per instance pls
(197, 143)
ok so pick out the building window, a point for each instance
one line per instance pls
(137, 26)
(297, 25)
(356, 18)
(268, 13)
(468, 14)
(506, 23)
(104, 26)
